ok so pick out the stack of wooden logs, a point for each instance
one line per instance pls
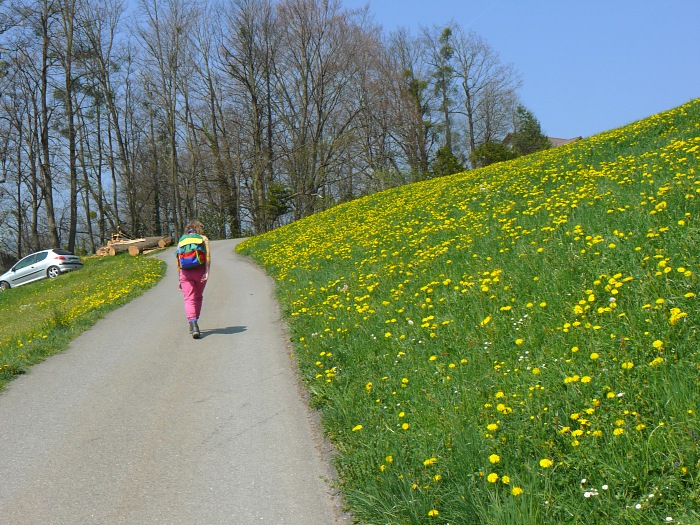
(134, 246)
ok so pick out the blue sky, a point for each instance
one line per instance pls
(587, 65)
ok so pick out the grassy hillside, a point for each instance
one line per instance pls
(516, 344)
(40, 319)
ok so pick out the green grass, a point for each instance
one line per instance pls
(40, 319)
(513, 345)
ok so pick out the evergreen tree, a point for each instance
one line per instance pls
(445, 162)
(443, 75)
(528, 137)
(490, 153)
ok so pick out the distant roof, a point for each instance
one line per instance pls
(560, 142)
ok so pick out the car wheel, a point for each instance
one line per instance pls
(4, 286)
(53, 272)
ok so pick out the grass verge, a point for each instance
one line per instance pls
(40, 319)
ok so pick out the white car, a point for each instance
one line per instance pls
(39, 265)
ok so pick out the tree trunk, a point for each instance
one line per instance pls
(45, 162)
(68, 18)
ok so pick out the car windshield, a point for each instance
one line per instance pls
(63, 252)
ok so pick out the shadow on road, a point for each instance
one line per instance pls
(224, 331)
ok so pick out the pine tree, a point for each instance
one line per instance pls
(528, 137)
(445, 162)
(491, 153)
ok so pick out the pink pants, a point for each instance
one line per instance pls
(192, 288)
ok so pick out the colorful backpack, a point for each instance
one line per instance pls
(191, 251)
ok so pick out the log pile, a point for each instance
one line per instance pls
(134, 246)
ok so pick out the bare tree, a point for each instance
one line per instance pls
(212, 129)
(101, 27)
(248, 53)
(321, 55)
(64, 50)
(12, 126)
(163, 38)
(373, 156)
(488, 88)
(408, 79)
(46, 17)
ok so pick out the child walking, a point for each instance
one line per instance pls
(193, 262)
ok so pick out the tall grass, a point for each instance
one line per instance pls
(516, 344)
(40, 319)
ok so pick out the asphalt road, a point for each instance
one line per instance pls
(138, 423)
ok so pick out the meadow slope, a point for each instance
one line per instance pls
(516, 344)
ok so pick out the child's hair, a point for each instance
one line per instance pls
(195, 226)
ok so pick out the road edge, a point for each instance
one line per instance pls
(323, 445)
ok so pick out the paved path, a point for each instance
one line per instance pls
(137, 423)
